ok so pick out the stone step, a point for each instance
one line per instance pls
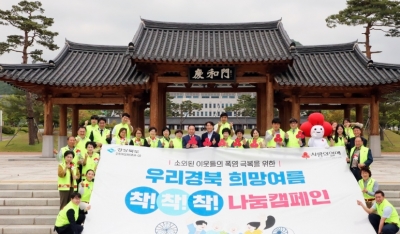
(26, 229)
(27, 219)
(42, 186)
(29, 210)
(389, 187)
(394, 201)
(29, 202)
(29, 194)
(392, 194)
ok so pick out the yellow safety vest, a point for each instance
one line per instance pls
(229, 141)
(153, 143)
(223, 126)
(135, 142)
(76, 156)
(393, 218)
(165, 141)
(349, 132)
(370, 187)
(240, 147)
(272, 143)
(99, 138)
(177, 142)
(121, 125)
(91, 163)
(259, 142)
(64, 183)
(293, 142)
(363, 154)
(89, 129)
(87, 193)
(340, 141)
(81, 144)
(62, 218)
(118, 141)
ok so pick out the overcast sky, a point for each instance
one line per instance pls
(114, 22)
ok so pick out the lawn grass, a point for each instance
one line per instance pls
(390, 136)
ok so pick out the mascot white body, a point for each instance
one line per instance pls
(317, 137)
(317, 128)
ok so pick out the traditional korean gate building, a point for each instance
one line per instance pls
(188, 57)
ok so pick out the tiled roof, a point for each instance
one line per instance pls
(191, 42)
(335, 65)
(79, 65)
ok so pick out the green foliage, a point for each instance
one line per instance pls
(6, 88)
(185, 109)
(28, 17)
(246, 105)
(389, 110)
(8, 130)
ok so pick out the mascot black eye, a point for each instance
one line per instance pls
(321, 129)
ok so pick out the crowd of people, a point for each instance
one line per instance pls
(78, 160)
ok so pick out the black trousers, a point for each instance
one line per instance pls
(388, 228)
(72, 229)
(356, 172)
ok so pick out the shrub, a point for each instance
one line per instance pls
(8, 130)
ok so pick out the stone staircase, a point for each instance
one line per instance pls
(32, 208)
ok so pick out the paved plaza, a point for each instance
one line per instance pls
(32, 168)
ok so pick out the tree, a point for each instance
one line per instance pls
(6, 88)
(246, 105)
(28, 17)
(383, 15)
(185, 109)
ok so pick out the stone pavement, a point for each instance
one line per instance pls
(31, 168)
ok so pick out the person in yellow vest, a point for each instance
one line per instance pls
(368, 186)
(86, 186)
(81, 141)
(382, 215)
(68, 173)
(339, 138)
(244, 144)
(348, 127)
(121, 138)
(71, 141)
(226, 133)
(94, 119)
(101, 135)
(165, 139)
(138, 139)
(69, 220)
(224, 124)
(177, 143)
(357, 133)
(360, 156)
(271, 134)
(292, 140)
(91, 159)
(125, 123)
(152, 140)
(256, 141)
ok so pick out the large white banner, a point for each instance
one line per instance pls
(142, 190)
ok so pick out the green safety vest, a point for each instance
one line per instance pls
(90, 128)
(293, 142)
(340, 141)
(165, 141)
(91, 163)
(118, 141)
(240, 147)
(81, 145)
(121, 125)
(135, 141)
(363, 154)
(62, 218)
(76, 156)
(393, 218)
(259, 142)
(272, 143)
(153, 143)
(87, 193)
(229, 141)
(224, 125)
(177, 142)
(349, 132)
(370, 187)
(101, 138)
(64, 183)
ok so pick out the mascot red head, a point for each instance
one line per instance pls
(317, 128)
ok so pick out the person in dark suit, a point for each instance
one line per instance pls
(357, 133)
(186, 143)
(210, 134)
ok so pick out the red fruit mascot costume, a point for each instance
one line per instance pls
(317, 128)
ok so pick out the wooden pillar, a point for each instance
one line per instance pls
(281, 114)
(359, 114)
(128, 107)
(162, 120)
(287, 114)
(261, 110)
(347, 112)
(295, 108)
(269, 105)
(154, 103)
(140, 119)
(75, 120)
(258, 123)
(374, 138)
(135, 117)
(48, 138)
(62, 132)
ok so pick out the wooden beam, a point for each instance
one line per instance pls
(374, 115)
(319, 100)
(63, 121)
(321, 107)
(113, 100)
(181, 79)
(215, 90)
(100, 107)
(48, 116)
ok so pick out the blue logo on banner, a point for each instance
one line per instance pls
(141, 200)
(205, 202)
(111, 150)
(173, 202)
